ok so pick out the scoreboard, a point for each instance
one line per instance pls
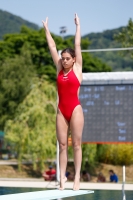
(108, 111)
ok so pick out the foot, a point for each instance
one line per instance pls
(62, 183)
(76, 184)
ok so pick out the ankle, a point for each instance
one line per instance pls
(62, 177)
(77, 176)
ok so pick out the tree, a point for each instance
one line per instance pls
(32, 132)
(93, 64)
(125, 37)
(15, 83)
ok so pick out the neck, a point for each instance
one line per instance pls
(67, 70)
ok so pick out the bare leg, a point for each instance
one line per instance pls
(62, 135)
(76, 125)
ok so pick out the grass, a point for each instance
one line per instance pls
(11, 171)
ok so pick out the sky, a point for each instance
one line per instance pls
(95, 15)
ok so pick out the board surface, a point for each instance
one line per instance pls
(45, 195)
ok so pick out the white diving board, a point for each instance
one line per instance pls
(45, 195)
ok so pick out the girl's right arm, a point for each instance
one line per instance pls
(52, 46)
(77, 42)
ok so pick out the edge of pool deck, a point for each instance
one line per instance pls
(40, 183)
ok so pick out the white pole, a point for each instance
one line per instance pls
(57, 163)
(57, 146)
(123, 174)
(123, 185)
(113, 49)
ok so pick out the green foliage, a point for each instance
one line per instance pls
(15, 83)
(37, 45)
(32, 132)
(10, 23)
(106, 40)
(120, 154)
(93, 64)
(89, 154)
(125, 37)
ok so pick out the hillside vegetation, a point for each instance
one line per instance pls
(10, 23)
(105, 40)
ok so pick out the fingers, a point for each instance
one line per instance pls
(76, 19)
(76, 16)
(46, 21)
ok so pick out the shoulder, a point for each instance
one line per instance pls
(116, 176)
(59, 73)
(59, 67)
(78, 71)
(77, 68)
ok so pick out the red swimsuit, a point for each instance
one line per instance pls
(68, 93)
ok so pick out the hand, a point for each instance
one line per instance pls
(45, 23)
(76, 19)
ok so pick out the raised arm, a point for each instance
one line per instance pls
(52, 45)
(78, 41)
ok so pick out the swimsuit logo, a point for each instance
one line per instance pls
(65, 78)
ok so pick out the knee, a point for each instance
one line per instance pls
(62, 146)
(76, 145)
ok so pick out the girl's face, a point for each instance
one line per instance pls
(67, 60)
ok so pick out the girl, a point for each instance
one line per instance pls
(69, 111)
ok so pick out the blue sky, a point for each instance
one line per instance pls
(95, 15)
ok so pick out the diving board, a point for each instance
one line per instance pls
(45, 195)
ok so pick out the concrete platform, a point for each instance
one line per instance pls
(40, 183)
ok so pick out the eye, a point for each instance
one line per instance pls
(67, 58)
